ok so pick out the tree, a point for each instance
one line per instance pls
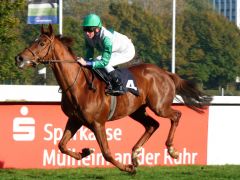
(9, 42)
(143, 28)
(209, 58)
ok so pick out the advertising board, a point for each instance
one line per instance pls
(29, 136)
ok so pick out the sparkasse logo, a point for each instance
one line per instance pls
(23, 127)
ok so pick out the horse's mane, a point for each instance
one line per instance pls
(67, 42)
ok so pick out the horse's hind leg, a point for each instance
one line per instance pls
(150, 125)
(174, 116)
(71, 128)
(100, 133)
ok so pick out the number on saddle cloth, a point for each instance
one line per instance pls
(126, 78)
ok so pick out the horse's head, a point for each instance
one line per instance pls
(38, 51)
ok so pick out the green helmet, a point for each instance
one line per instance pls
(92, 20)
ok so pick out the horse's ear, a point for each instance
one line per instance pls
(42, 29)
(50, 28)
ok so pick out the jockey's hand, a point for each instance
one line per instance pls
(81, 61)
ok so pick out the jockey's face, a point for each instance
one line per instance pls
(91, 33)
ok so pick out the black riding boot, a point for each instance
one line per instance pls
(116, 86)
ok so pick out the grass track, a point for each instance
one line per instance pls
(228, 172)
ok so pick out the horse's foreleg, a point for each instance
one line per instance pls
(100, 133)
(150, 125)
(174, 117)
(71, 128)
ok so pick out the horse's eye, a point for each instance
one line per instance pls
(41, 44)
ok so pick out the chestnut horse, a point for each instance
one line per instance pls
(90, 108)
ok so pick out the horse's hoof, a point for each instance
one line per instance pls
(173, 152)
(175, 155)
(135, 162)
(131, 169)
(87, 151)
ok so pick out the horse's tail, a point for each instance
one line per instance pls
(191, 95)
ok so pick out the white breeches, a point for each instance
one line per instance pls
(120, 57)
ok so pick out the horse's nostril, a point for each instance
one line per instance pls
(18, 58)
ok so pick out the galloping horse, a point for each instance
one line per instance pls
(90, 107)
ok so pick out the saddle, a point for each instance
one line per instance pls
(126, 77)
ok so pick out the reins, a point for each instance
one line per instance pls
(69, 87)
(57, 61)
(89, 82)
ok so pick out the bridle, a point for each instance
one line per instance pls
(45, 59)
(36, 58)
(51, 58)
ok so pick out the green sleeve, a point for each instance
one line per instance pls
(106, 54)
(89, 51)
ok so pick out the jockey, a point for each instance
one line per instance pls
(115, 49)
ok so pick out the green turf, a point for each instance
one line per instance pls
(177, 172)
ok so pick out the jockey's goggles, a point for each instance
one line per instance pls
(89, 29)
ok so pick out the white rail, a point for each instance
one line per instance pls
(40, 93)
